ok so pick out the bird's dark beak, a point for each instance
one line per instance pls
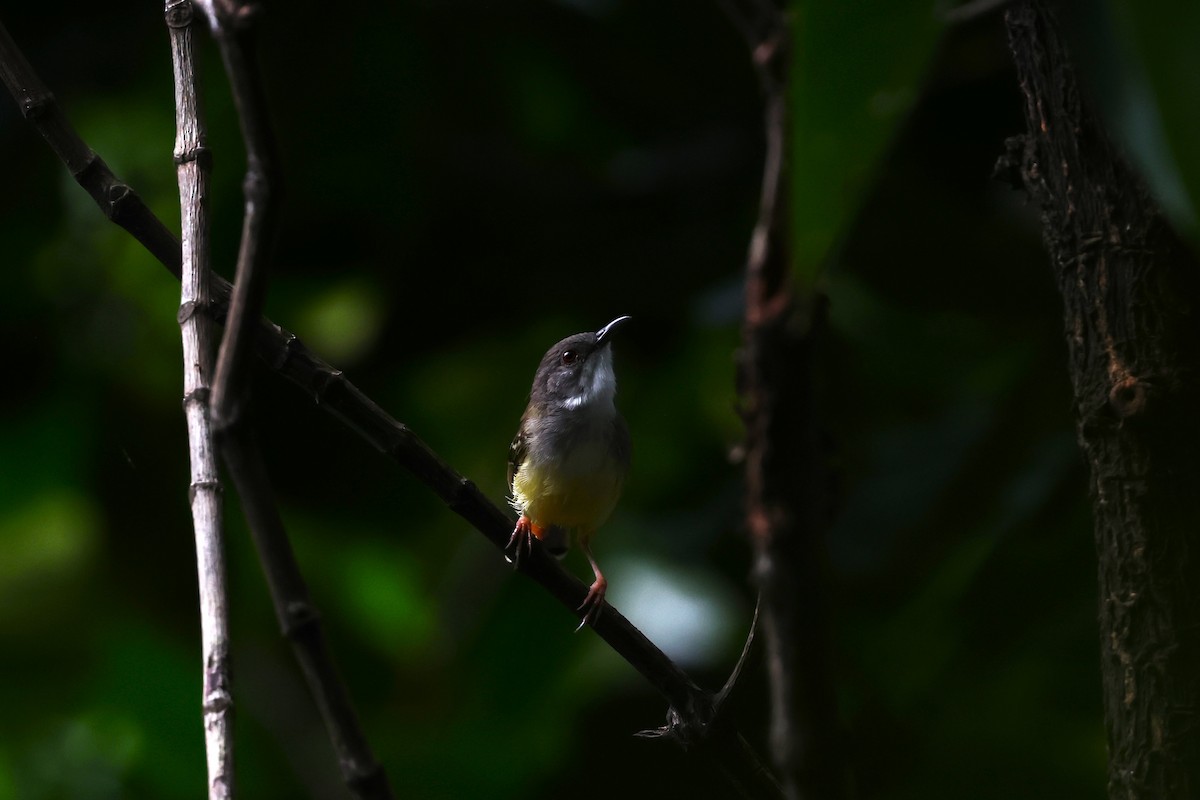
(602, 335)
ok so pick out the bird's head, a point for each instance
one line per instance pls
(577, 372)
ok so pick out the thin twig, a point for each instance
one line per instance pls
(286, 355)
(727, 691)
(193, 160)
(720, 732)
(232, 26)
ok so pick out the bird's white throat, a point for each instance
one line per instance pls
(599, 383)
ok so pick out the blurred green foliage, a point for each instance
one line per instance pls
(857, 73)
(1144, 69)
(467, 183)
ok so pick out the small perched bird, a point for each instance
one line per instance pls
(569, 458)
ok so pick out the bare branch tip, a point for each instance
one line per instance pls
(719, 703)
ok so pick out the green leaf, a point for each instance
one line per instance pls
(856, 70)
(1141, 62)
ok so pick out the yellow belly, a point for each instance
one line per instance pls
(577, 493)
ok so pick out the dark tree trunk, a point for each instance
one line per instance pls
(1133, 340)
(786, 478)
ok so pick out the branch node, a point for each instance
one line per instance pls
(256, 186)
(331, 378)
(218, 701)
(87, 175)
(200, 395)
(192, 308)
(283, 354)
(201, 154)
(179, 13)
(687, 730)
(668, 731)
(103, 186)
(203, 486)
(36, 106)
(299, 617)
(462, 495)
(117, 193)
(218, 698)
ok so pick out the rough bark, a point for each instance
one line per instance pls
(1133, 341)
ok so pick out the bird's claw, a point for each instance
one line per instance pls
(593, 604)
(522, 538)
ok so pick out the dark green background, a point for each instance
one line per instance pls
(467, 182)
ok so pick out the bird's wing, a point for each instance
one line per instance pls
(516, 455)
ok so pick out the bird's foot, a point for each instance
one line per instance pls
(593, 604)
(521, 539)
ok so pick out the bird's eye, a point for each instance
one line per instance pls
(569, 357)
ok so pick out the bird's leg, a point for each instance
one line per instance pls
(593, 604)
(522, 537)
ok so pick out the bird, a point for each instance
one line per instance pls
(570, 456)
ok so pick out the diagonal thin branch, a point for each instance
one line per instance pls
(286, 355)
(300, 622)
(193, 162)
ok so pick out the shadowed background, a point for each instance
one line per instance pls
(466, 183)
